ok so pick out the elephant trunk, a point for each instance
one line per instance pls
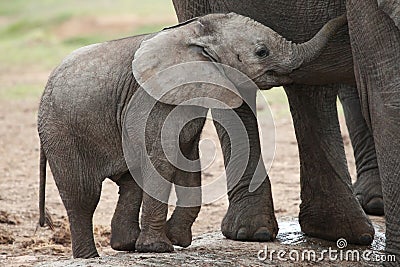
(310, 50)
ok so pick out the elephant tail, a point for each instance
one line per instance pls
(44, 215)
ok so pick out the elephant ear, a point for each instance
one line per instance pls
(176, 67)
(392, 9)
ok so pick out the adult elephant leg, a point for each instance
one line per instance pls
(328, 210)
(375, 40)
(368, 187)
(250, 215)
(125, 222)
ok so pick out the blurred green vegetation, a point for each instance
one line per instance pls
(277, 100)
(32, 38)
(276, 97)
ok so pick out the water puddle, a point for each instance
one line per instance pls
(290, 234)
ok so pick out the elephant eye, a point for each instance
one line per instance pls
(262, 51)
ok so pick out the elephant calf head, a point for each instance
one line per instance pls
(206, 57)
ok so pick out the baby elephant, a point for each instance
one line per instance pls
(95, 109)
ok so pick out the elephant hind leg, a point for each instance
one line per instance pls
(368, 187)
(80, 204)
(368, 190)
(125, 222)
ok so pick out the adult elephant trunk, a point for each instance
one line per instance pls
(310, 50)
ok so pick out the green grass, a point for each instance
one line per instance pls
(10, 8)
(148, 29)
(24, 25)
(46, 8)
(28, 29)
(277, 99)
(29, 36)
(78, 41)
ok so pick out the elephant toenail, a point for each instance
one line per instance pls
(366, 239)
(242, 234)
(262, 234)
(375, 206)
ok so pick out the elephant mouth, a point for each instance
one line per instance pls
(271, 79)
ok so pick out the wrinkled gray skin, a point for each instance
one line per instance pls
(82, 111)
(325, 179)
(375, 37)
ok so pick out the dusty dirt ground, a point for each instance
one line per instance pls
(22, 243)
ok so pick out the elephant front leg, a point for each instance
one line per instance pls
(125, 222)
(368, 187)
(187, 183)
(250, 215)
(328, 210)
(188, 191)
(156, 190)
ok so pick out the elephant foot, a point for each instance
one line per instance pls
(250, 220)
(334, 217)
(179, 234)
(368, 190)
(123, 238)
(153, 241)
(89, 255)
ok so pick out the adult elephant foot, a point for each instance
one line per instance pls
(329, 210)
(368, 191)
(251, 218)
(245, 223)
(334, 216)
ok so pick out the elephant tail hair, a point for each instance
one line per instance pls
(44, 215)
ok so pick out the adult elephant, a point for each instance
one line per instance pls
(375, 37)
(329, 209)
